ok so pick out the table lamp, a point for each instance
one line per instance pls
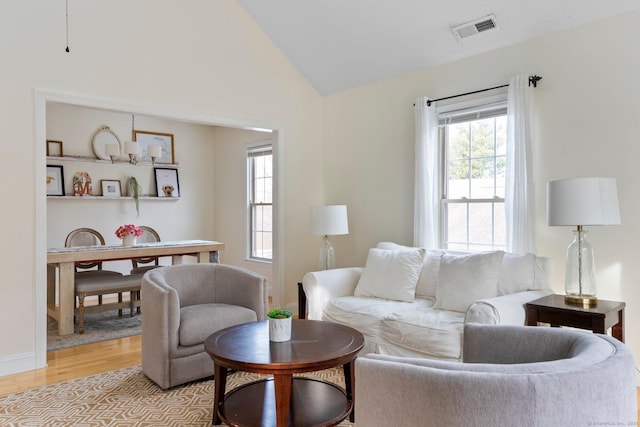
(328, 221)
(580, 202)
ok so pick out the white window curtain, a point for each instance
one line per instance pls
(519, 196)
(426, 216)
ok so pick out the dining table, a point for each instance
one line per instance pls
(61, 268)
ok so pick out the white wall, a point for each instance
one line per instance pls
(205, 57)
(231, 196)
(589, 111)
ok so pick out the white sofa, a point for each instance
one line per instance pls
(415, 302)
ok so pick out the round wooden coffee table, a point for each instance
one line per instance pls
(284, 400)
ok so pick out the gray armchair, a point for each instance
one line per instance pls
(182, 305)
(511, 375)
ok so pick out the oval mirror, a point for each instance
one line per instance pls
(101, 138)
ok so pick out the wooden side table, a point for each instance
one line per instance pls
(554, 310)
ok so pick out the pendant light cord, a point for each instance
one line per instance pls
(67, 23)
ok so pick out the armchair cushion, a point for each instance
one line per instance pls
(199, 321)
(391, 274)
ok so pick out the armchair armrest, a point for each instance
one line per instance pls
(320, 286)
(503, 310)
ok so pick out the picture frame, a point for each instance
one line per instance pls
(54, 148)
(111, 188)
(55, 180)
(145, 139)
(167, 182)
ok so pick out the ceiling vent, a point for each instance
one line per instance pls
(477, 26)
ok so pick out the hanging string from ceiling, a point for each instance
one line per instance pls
(533, 80)
(66, 3)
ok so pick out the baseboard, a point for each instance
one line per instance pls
(17, 363)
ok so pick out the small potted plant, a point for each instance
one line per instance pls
(279, 325)
(128, 233)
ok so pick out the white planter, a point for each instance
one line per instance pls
(279, 329)
(129, 240)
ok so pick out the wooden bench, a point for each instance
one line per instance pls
(103, 285)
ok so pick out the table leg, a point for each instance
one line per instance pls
(220, 383)
(532, 317)
(51, 290)
(349, 387)
(203, 256)
(66, 298)
(283, 385)
(617, 330)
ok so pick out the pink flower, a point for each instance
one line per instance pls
(125, 230)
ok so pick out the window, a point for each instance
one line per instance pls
(473, 145)
(260, 179)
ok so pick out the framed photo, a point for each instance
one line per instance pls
(164, 140)
(54, 148)
(167, 182)
(55, 181)
(111, 188)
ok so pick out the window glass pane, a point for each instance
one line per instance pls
(456, 222)
(481, 223)
(482, 183)
(482, 138)
(458, 146)
(500, 175)
(458, 183)
(501, 135)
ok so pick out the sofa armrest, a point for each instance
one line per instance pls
(320, 286)
(503, 310)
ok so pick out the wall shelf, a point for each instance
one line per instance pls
(84, 159)
(165, 199)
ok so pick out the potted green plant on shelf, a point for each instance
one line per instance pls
(279, 325)
(135, 189)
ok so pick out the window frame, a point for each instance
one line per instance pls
(463, 113)
(253, 151)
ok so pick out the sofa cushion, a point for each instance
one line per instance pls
(428, 280)
(366, 314)
(517, 273)
(199, 321)
(467, 278)
(391, 274)
(427, 332)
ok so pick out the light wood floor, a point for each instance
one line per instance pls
(77, 362)
(85, 360)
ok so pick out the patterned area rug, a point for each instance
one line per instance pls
(124, 397)
(97, 327)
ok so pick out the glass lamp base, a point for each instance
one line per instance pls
(581, 300)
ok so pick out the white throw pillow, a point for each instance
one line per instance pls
(428, 280)
(517, 273)
(391, 274)
(465, 279)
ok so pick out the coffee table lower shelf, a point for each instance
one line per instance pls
(313, 403)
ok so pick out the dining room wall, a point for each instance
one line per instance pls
(173, 219)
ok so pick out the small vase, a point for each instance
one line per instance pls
(279, 329)
(129, 240)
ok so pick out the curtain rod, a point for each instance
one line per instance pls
(533, 80)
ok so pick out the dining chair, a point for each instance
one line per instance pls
(85, 236)
(149, 235)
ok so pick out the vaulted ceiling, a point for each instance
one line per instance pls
(340, 44)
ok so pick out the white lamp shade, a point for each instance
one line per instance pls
(583, 201)
(329, 220)
(155, 150)
(131, 147)
(112, 149)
